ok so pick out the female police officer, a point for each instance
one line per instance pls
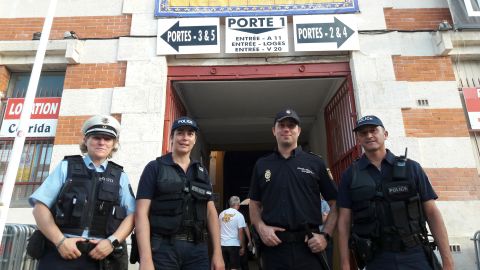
(174, 208)
(85, 206)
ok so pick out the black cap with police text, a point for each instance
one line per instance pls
(287, 113)
(184, 121)
(368, 120)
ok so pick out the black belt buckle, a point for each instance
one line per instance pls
(291, 237)
(85, 246)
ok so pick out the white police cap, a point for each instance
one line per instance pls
(101, 125)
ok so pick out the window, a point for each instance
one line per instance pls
(37, 152)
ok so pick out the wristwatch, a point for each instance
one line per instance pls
(326, 235)
(114, 241)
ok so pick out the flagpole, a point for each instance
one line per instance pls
(18, 144)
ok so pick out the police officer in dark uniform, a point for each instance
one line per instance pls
(85, 206)
(175, 208)
(285, 198)
(385, 202)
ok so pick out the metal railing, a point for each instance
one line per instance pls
(476, 243)
(13, 255)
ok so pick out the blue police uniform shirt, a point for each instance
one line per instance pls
(47, 193)
(148, 181)
(424, 186)
(289, 189)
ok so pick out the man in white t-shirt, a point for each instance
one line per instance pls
(232, 223)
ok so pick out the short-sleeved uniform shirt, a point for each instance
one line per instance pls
(424, 187)
(289, 189)
(230, 221)
(148, 181)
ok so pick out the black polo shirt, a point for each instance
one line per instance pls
(148, 180)
(424, 187)
(289, 189)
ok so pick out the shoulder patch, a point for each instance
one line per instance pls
(330, 174)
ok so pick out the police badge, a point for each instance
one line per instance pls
(268, 174)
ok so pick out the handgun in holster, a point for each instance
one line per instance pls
(362, 249)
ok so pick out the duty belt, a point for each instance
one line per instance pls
(184, 236)
(85, 246)
(293, 236)
(396, 244)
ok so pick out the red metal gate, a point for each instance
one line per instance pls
(173, 109)
(340, 117)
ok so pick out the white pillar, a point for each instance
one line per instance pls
(18, 144)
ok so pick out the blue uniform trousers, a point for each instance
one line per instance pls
(289, 256)
(53, 261)
(411, 259)
(179, 254)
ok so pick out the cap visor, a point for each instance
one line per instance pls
(104, 133)
(287, 116)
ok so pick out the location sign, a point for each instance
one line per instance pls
(188, 36)
(325, 33)
(267, 34)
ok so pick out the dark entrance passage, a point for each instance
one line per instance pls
(237, 171)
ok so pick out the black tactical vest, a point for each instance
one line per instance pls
(90, 199)
(390, 213)
(179, 205)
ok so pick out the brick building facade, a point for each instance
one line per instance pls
(406, 72)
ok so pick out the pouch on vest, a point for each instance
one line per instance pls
(200, 192)
(362, 192)
(166, 215)
(108, 191)
(72, 206)
(115, 218)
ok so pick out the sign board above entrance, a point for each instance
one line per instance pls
(225, 8)
(325, 33)
(268, 34)
(188, 36)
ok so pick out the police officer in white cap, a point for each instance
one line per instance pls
(85, 207)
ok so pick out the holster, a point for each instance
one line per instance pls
(37, 245)
(134, 254)
(431, 256)
(362, 248)
(117, 260)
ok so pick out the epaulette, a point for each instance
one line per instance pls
(315, 154)
(72, 156)
(115, 165)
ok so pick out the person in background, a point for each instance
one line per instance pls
(232, 225)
